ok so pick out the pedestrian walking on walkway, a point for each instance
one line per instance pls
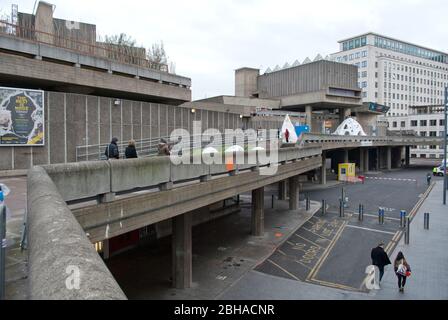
(112, 150)
(380, 258)
(130, 151)
(402, 270)
(428, 178)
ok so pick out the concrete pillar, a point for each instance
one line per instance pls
(294, 193)
(346, 160)
(106, 250)
(309, 113)
(407, 156)
(257, 219)
(366, 160)
(344, 113)
(181, 249)
(361, 159)
(282, 190)
(347, 113)
(377, 167)
(323, 169)
(389, 158)
(106, 197)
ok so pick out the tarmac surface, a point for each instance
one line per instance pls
(334, 251)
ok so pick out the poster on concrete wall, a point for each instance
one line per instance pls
(21, 117)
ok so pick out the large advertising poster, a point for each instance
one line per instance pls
(21, 117)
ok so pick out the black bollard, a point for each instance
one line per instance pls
(361, 212)
(407, 231)
(426, 220)
(402, 218)
(324, 207)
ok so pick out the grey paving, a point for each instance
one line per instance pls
(426, 253)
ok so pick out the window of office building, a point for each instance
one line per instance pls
(433, 133)
(423, 123)
(364, 64)
(413, 123)
(432, 122)
(403, 124)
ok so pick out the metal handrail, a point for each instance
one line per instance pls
(13, 30)
(2, 250)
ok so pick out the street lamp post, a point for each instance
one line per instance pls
(445, 133)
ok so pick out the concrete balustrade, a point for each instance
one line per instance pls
(139, 173)
(80, 180)
(63, 263)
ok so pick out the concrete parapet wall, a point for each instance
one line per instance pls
(59, 248)
(144, 172)
(80, 180)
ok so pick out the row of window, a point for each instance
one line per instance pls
(354, 43)
(405, 48)
(415, 71)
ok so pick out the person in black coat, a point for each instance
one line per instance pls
(380, 258)
(112, 151)
(130, 151)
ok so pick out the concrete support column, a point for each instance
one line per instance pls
(389, 158)
(323, 169)
(377, 167)
(282, 190)
(346, 156)
(182, 252)
(347, 113)
(407, 156)
(361, 159)
(366, 160)
(106, 250)
(257, 219)
(106, 197)
(309, 113)
(294, 193)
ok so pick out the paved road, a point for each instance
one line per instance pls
(333, 251)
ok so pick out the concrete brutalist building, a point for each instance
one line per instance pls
(92, 90)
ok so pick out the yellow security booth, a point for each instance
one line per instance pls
(346, 171)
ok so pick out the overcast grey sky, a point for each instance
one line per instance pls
(209, 39)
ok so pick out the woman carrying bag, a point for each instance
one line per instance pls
(402, 270)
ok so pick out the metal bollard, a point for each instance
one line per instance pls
(361, 212)
(426, 220)
(407, 230)
(402, 218)
(2, 250)
(238, 199)
(324, 207)
(272, 202)
(341, 208)
(381, 216)
(307, 202)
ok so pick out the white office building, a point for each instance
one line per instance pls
(425, 121)
(396, 73)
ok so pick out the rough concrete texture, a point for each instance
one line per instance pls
(143, 172)
(80, 179)
(58, 243)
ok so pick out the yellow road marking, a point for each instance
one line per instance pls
(308, 240)
(285, 271)
(315, 233)
(321, 260)
(281, 252)
(334, 285)
(308, 267)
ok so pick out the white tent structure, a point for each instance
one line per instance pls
(287, 124)
(349, 127)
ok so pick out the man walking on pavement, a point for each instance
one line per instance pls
(380, 258)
